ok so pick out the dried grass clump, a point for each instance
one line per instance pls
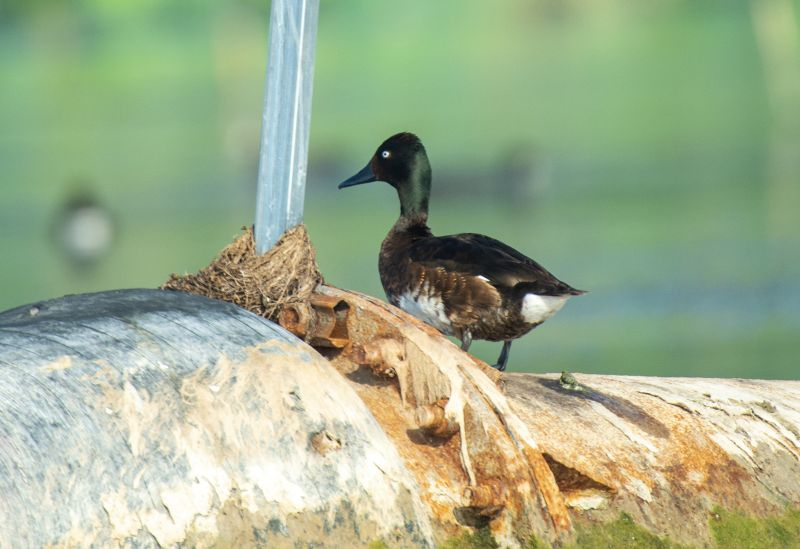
(263, 284)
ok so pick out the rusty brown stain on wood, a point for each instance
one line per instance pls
(321, 321)
(658, 454)
(389, 356)
(603, 446)
(548, 484)
(432, 420)
(434, 462)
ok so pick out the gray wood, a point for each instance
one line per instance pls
(145, 417)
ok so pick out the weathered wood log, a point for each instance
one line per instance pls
(146, 416)
(667, 451)
(158, 418)
(541, 453)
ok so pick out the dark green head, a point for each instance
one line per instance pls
(400, 161)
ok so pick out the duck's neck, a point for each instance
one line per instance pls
(415, 224)
(415, 192)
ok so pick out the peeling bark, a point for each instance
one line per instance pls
(666, 451)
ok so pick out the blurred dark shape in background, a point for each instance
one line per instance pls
(523, 176)
(83, 229)
(647, 152)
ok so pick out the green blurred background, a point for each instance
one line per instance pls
(648, 152)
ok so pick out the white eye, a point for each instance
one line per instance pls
(386, 154)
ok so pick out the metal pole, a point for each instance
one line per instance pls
(287, 115)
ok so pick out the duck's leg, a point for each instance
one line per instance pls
(502, 360)
(466, 340)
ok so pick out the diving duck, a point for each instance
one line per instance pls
(467, 285)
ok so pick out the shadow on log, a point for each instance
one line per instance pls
(154, 417)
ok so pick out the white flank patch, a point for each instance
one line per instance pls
(483, 278)
(538, 308)
(428, 309)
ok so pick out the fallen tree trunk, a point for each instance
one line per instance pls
(154, 417)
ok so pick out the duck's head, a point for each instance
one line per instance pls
(400, 161)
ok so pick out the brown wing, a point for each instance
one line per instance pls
(465, 297)
(474, 255)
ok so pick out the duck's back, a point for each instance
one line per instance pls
(482, 256)
(465, 281)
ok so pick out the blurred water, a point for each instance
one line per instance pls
(628, 148)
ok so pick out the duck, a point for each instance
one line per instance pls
(469, 286)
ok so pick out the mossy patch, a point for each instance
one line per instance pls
(734, 530)
(622, 533)
(479, 539)
(536, 543)
(730, 529)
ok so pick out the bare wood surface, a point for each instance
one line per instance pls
(150, 418)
